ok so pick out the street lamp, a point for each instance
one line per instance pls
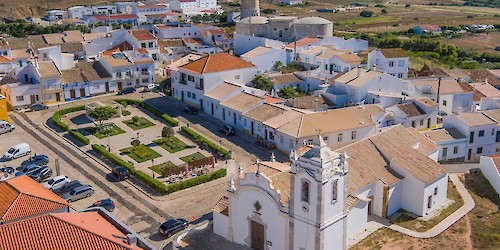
(142, 98)
(152, 164)
(220, 143)
(137, 136)
(109, 144)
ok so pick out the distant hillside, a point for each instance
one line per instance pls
(38, 8)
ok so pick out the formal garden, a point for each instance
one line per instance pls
(132, 134)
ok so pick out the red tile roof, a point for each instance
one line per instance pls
(124, 46)
(22, 196)
(216, 63)
(142, 35)
(302, 42)
(4, 59)
(63, 231)
(142, 50)
(270, 99)
(430, 27)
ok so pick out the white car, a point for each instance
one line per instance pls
(56, 182)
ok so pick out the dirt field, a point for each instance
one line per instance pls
(37, 8)
(478, 42)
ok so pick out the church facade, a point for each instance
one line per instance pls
(325, 196)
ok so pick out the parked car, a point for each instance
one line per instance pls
(107, 204)
(120, 173)
(128, 90)
(17, 151)
(7, 169)
(190, 110)
(6, 127)
(36, 159)
(38, 107)
(227, 130)
(151, 87)
(172, 226)
(67, 187)
(40, 174)
(56, 182)
(28, 169)
(78, 193)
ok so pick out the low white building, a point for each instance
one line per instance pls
(193, 6)
(420, 114)
(79, 12)
(244, 43)
(353, 45)
(326, 195)
(265, 58)
(480, 130)
(452, 143)
(104, 9)
(291, 2)
(391, 61)
(490, 167)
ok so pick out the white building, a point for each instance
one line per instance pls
(420, 114)
(490, 167)
(79, 12)
(353, 45)
(126, 7)
(368, 86)
(245, 43)
(391, 61)
(453, 98)
(480, 130)
(291, 2)
(196, 78)
(104, 9)
(325, 197)
(193, 6)
(452, 144)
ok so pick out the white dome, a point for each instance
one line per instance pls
(312, 20)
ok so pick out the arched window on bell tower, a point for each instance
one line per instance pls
(305, 191)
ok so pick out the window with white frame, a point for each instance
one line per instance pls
(401, 63)
(353, 135)
(391, 63)
(20, 98)
(339, 137)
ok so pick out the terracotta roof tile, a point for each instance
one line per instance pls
(222, 206)
(222, 91)
(142, 35)
(350, 58)
(22, 196)
(216, 63)
(410, 109)
(4, 59)
(73, 75)
(448, 86)
(393, 53)
(242, 101)
(279, 174)
(443, 134)
(48, 69)
(63, 231)
(474, 119)
(264, 112)
(285, 79)
(303, 42)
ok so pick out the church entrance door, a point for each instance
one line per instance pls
(257, 236)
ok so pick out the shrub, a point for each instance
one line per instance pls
(125, 112)
(135, 142)
(135, 119)
(366, 13)
(148, 180)
(79, 136)
(56, 117)
(202, 140)
(167, 132)
(196, 181)
(384, 11)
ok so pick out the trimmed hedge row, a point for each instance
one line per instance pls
(196, 181)
(79, 136)
(200, 139)
(173, 122)
(56, 117)
(148, 180)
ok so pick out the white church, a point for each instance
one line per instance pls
(325, 196)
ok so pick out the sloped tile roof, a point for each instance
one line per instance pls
(4, 59)
(474, 119)
(410, 109)
(73, 75)
(93, 71)
(48, 69)
(142, 35)
(63, 231)
(285, 79)
(302, 42)
(393, 53)
(279, 174)
(443, 134)
(264, 112)
(242, 101)
(223, 90)
(222, 206)
(350, 58)
(22, 196)
(216, 63)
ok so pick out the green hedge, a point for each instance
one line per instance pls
(173, 122)
(148, 180)
(196, 181)
(56, 117)
(200, 139)
(79, 136)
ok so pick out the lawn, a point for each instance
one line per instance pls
(137, 123)
(140, 153)
(192, 157)
(484, 218)
(108, 129)
(171, 144)
(413, 223)
(159, 169)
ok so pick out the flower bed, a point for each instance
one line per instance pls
(172, 144)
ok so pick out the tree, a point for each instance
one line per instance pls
(278, 66)
(101, 114)
(288, 92)
(366, 13)
(135, 142)
(262, 82)
(167, 132)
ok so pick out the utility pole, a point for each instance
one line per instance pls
(439, 87)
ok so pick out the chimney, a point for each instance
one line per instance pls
(358, 72)
(36, 62)
(374, 67)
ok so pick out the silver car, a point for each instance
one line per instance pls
(78, 193)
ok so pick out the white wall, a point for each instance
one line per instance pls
(490, 171)
(437, 199)
(220, 224)
(244, 43)
(357, 219)
(397, 70)
(395, 198)
(265, 62)
(450, 145)
(413, 191)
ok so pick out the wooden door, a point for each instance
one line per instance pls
(82, 93)
(119, 85)
(72, 94)
(32, 99)
(107, 87)
(257, 236)
(58, 97)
